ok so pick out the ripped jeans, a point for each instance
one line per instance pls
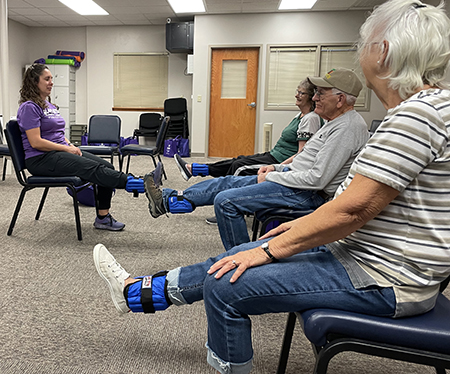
(311, 279)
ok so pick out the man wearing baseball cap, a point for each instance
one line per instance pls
(336, 93)
(306, 183)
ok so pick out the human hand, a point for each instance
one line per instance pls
(278, 230)
(266, 169)
(241, 262)
(74, 150)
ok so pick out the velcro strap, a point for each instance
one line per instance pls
(180, 196)
(146, 295)
(151, 301)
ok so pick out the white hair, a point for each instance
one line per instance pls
(350, 99)
(419, 43)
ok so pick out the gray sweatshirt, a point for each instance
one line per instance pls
(326, 158)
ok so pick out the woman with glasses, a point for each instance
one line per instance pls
(291, 142)
(49, 153)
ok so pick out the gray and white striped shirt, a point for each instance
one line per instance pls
(407, 246)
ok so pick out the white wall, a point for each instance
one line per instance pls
(18, 57)
(102, 42)
(264, 29)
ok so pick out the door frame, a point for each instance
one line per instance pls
(258, 91)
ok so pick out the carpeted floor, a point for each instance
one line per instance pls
(56, 315)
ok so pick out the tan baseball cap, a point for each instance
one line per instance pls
(343, 79)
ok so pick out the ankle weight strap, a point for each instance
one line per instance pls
(179, 204)
(148, 295)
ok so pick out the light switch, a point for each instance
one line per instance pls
(199, 98)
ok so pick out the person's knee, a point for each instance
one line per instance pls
(218, 292)
(220, 199)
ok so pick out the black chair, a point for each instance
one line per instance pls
(4, 152)
(149, 124)
(273, 217)
(422, 339)
(374, 125)
(104, 132)
(14, 139)
(152, 151)
(176, 109)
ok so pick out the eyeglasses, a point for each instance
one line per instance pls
(300, 93)
(321, 94)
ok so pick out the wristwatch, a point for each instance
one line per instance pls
(265, 247)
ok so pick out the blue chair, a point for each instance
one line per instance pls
(273, 217)
(14, 139)
(104, 137)
(4, 152)
(422, 339)
(152, 151)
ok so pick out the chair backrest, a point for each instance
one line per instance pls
(150, 121)
(162, 134)
(374, 125)
(175, 106)
(444, 284)
(1, 132)
(14, 139)
(104, 129)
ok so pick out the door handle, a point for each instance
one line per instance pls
(252, 105)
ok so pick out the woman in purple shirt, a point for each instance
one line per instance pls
(49, 153)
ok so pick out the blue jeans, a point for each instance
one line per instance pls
(312, 279)
(234, 196)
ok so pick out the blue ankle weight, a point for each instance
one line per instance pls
(148, 295)
(179, 204)
(200, 169)
(135, 185)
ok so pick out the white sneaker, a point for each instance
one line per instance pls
(113, 274)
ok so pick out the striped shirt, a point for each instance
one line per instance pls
(407, 246)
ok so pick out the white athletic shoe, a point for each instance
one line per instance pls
(113, 274)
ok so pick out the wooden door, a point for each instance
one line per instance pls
(232, 118)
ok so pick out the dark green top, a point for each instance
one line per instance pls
(299, 129)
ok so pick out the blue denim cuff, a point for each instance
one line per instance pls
(227, 367)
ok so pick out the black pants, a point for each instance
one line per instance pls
(88, 167)
(229, 167)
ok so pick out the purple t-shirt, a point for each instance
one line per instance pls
(30, 115)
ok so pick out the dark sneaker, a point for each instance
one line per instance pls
(108, 223)
(113, 274)
(154, 196)
(211, 220)
(185, 173)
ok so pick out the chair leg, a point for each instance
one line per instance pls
(163, 170)
(4, 167)
(255, 227)
(128, 164)
(17, 210)
(95, 188)
(154, 161)
(440, 370)
(77, 211)
(287, 340)
(41, 205)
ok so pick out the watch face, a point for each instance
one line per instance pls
(265, 245)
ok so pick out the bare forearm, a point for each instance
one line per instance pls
(47, 146)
